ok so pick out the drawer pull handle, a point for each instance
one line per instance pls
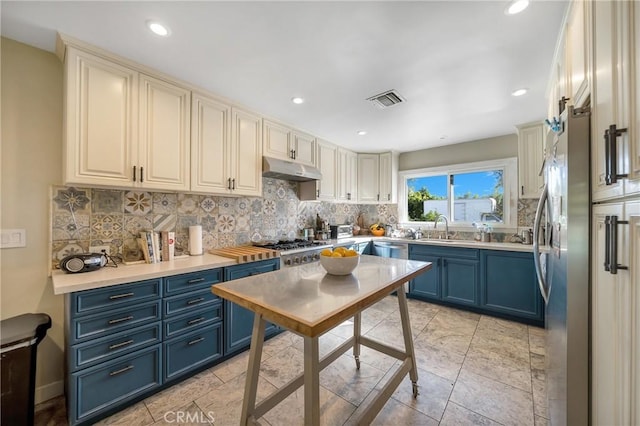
(120, 296)
(193, 342)
(194, 301)
(121, 344)
(195, 321)
(116, 321)
(122, 370)
(195, 280)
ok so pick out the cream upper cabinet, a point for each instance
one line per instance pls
(377, 177)
(164, 141)
(347, 175)
(577, 52)
(246, 153)
(388, 177)
(615, 304)
(285, 143)
(327, 163)
(368, 178)
(530, 158)
(123, 128)
(210, 145)
(615, 147)
(100, 131)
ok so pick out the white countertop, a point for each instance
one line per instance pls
(67, 283)
(442, 243)
(308, 300)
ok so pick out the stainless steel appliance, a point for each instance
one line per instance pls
(297, 252)
(341, 231)
(565, 283)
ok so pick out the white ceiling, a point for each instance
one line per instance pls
(455, 62)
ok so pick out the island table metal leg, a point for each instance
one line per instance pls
(408, 339)
(253, 371)
(357, 328)
(311, 382)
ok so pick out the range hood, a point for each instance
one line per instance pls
(289, 170)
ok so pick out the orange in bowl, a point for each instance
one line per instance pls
(377, 232)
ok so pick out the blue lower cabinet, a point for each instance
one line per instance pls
(238, 321)
(100, 388)
(508, 285)
(427, 285)
(460, 280)
(189, 351)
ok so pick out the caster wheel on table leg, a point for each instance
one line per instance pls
(357, 363)
(415, 390)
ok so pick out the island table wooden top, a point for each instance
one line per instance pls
(308, 300)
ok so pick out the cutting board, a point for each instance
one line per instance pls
(245, 254)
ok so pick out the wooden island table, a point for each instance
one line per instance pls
(309, 302)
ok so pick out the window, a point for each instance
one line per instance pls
(464, 193)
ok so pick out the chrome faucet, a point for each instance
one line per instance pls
(446, 225)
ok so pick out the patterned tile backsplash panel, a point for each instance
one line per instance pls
(87, 217)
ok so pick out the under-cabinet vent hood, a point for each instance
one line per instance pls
(288, 170)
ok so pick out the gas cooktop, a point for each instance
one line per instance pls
(284, 245)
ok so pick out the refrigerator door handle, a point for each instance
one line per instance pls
(542, 282)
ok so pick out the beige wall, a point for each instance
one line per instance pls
(31, 162)
(468, 152)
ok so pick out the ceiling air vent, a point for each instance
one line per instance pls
(386, 99)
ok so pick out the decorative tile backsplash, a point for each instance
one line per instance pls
(88, 217)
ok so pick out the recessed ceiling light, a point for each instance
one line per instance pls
(519, 92)
(362, 132)
(297, 100)
(516, 6)
(158, 28)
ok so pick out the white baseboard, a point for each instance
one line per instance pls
(51, 390)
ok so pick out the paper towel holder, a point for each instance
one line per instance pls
(195, 240)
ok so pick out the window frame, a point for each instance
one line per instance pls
(510, 187)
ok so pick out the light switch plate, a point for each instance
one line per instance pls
(11, 238)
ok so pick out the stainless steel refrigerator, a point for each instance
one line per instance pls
(562, 265)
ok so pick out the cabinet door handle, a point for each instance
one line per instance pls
(195, 321)
(121, 344)
(120, 296)
(116, 321)
(193, 342)
(613, 244)
(348, 195)
(294, 154)
(317, 192)
(195, 280)
(388, 197)
(194, 301)
(134, 173)
(611, 154)
(291, 154)
(607, 243)
(233, 183)
(522, 190)
(444, 263)
(229, 183)
(378, 197)
(122, 370)
(141, 174)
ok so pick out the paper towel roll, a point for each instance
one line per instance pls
(195, 240)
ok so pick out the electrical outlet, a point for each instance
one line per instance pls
(99, 249)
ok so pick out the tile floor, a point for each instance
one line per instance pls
(473, 370)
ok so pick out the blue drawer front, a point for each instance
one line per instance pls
(188, 301)
(100, 388)
(254, 268)
(193, 281)
(91, 301)
(100, 350)
(192, 320)
(94, 326)
(469, 253)
(192, 350)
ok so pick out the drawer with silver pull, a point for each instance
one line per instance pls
(98, 325)
(192, 320)
(189, 351)
(100, 350)
(89, 301)
(192, 281)
(187, 302)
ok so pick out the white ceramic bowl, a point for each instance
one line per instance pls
(339, 265)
